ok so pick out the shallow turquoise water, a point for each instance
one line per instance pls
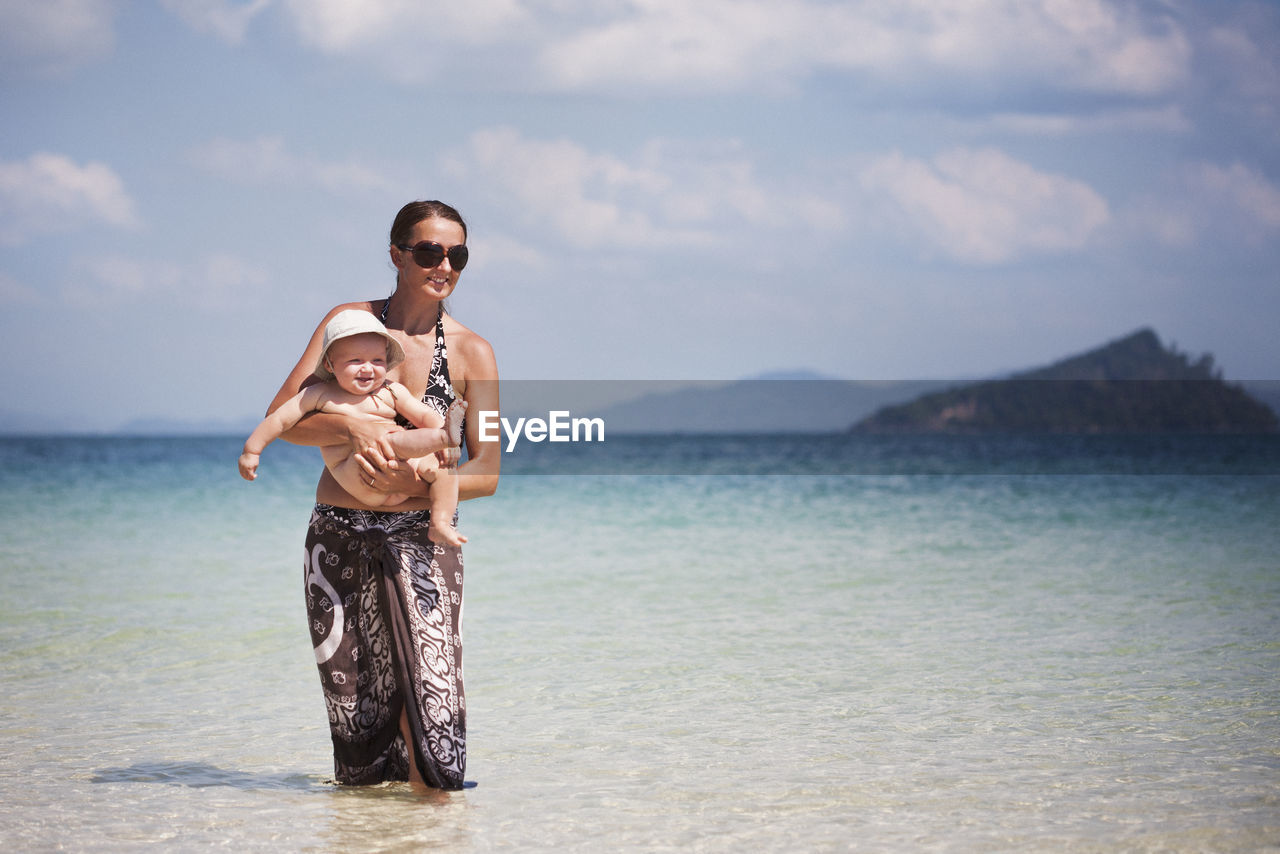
(961, 662)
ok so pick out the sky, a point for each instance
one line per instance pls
(655, 189)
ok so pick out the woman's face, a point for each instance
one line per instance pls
(439, 281)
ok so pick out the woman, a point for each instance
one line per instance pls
(384, 601)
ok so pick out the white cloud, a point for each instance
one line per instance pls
(1244, 54)
(581, 195)
(214, 281)
(1234, 203)
(1073, 45)
(462, 46)
(1207, 203)
(1245, 189)
(718, 184)
(225, 281)
(726, 45)
(338, 26)
(113, 277)
(502, 250)
(669, 193)
(46, 37)
(341, 26)
(47, 191)
(668, 44)
(1107, 46)
(1170, 119)
(266, 160)
(226, 20)
(983, 206)
(1171, 225)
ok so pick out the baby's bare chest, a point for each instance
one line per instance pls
(380, 404)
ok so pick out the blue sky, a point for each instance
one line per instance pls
(656, 189)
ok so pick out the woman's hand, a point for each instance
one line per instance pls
(388, 474)
(368, 433)
(384, 471)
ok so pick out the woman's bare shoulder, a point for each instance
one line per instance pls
(468, 348)
(464, 340)
(370, 305)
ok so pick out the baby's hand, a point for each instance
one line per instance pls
(249, 466)
(454, 420)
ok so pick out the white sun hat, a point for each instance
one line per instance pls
(356, 322)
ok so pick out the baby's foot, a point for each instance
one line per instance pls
(454, 420)
(447, 534)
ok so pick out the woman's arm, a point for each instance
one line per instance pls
(478, 476)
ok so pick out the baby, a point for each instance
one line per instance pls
(358, 352)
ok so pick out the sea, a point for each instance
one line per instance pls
(705, 643)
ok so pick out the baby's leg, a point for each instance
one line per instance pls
(443, 495)
(454, 420)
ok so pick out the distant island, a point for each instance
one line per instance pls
(778, 402)
(1130, 385)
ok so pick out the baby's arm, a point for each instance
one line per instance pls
(433, 434)
(419, 414)
(286, 415)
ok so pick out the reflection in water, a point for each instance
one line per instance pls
(386, 817)
(199, 774)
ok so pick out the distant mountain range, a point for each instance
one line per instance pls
(20, 424)
(1133, 384)
(790, 402)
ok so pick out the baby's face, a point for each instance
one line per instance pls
(359, 363)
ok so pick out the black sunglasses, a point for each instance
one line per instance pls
(428, 254)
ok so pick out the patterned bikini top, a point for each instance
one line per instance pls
(439, 394)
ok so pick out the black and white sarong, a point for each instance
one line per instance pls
(384, 605)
